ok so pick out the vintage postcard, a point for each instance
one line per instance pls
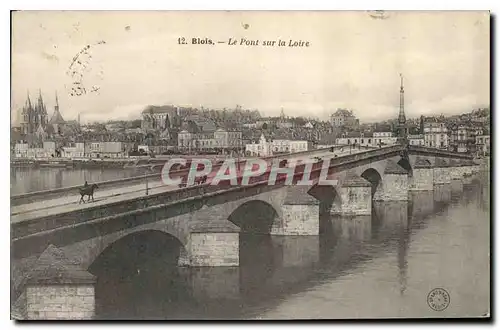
(237, 165)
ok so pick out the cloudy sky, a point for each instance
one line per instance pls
(354, 60)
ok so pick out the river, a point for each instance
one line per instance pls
(383, 265)
(26, 180)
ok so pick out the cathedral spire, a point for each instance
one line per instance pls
(401, 125)
(57, 102)
(28, 100)
(402, 117)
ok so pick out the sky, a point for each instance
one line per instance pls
(353, 61)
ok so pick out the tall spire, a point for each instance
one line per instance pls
(28, 100)
(402, 117)
(57, 102)
(401, 125)
(40, 100)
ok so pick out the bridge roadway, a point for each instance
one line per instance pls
(154, 164)
(70, 202)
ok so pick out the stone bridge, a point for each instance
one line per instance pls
(206, 223)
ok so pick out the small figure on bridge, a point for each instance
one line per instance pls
(87, 191)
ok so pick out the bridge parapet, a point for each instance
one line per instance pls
(189, 198)
(425, 151)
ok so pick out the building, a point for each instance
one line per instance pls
(32, 117)
(384, 138)
(21, 150)
(104, 149)
(56, 121)
(435, 133)
(344, 118)
(157, 118)
(220, 140)
(47, 150)
(261, 148)
(483, 145)
(228, 139)
(416, 140)
(267, 147)
(367, 139)
(74, 150)
(462, 136)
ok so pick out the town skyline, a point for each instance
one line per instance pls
(445, 64)
(138, 114)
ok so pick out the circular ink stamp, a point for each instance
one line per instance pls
(438, 299)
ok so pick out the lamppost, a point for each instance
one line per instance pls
(147, 170)
(146, 179)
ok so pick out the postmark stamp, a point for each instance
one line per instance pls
(438, 299)
(80, 64)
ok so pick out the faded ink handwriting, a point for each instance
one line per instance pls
(79, 65)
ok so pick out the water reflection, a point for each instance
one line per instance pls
(24, 180)
(277, 269)
(391, 215)
(421, 204)
(356, 228)
(456, 189)
(442, 194)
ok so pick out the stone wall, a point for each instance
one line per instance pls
(456, 172)
(441, 175)
(353, 201)
(298, 220)
(214, 249)
(60, 302)
(422, 179)
(393, 187)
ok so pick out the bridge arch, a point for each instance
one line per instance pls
(255, 216)
(134, 248)
(374, 177)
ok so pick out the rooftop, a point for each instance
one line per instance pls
(159, 109)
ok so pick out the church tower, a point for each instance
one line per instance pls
(26, 115)
(57, 120)
(402, 129)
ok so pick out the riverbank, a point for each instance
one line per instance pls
(87, 163)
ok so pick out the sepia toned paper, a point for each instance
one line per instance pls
(388, 112)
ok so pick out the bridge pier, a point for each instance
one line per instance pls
(300, 214)
(441, 172)
(394, 184)
(57, 289)
(423, 176)
(464, 168)
(212, 244)
(472, 167)
(354, 197)
(456, 170)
